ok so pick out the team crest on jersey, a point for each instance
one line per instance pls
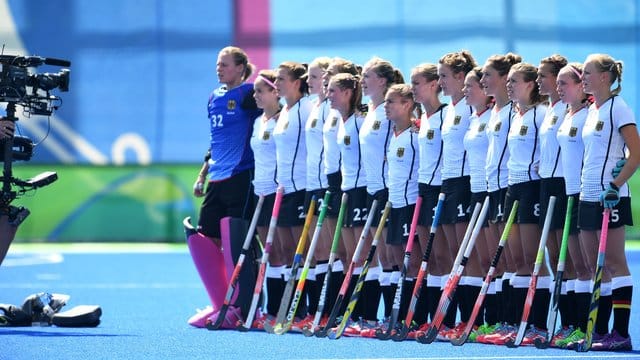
(231, 105)
(599, 125)
(497, 127)
(400, 152)
(456, 120)
(573, 131)
(285, 126)
(554, 120)
(347, 140)
(265, 135)
(430, 134)
(523, 130)
(481, 127)
(314, 122)
(376, 125)
(334, 121)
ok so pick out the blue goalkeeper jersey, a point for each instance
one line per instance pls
(231, 116)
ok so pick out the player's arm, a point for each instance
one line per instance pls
(198, 186)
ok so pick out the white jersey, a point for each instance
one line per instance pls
(403, 168)
(330, 138)
(603, 146)
(314, 139)
(430, 141)
(524, 145)
(498, 150)
(456, 124)
(550, 164)
(572, 149)
(375, 135)
(353, 174)
(476, 143)
(264, 154)
(291, 152)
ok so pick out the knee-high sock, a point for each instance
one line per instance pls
(540, 306)
(490, 306)
(622, 290)
(385, 288)
(233, 232)
(583, 300)
(371, 294)
(433, 295)
(604, 309)
(275, 289)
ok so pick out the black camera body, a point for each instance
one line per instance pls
(31, 90)
(20, 86)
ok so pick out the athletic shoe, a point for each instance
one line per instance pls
(413, 333)
(575, 336)
(483, 329)
(371, 332)
(297, 326)
(258, 323)
(612, 342)
(532, 334)
(351, 329)
(594, 338)
(368, 328)
(499, 336)
(231, 317)
(561, 335)
(199, 320)
(442, 333)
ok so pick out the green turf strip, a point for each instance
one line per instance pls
(99, 247)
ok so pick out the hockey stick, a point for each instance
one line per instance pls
(533, 282)
(282, 327)
(327, 279)
(236, 271)
(347, 276)
(450, 288)
(487, 280)
(293, 274)
(263, 262)
(597, 282)
(555, 297)
(355, 296)
(404, 331)
(395, 309)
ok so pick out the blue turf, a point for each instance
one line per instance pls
(147, 298)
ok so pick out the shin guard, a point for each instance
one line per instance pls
(209, 262)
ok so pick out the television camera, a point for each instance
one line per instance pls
(32, 91)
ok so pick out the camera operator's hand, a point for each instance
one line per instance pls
(6, 128)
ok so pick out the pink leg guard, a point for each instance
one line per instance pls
(209, 262)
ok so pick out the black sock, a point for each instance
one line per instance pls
(275, 290)
(313, 292)
(371, 299)
(470, 298)
(433, 296)
(583, 301)
(621, 299)
(518, 296)
(422, 310)
(604, 314)
(565, 307)
(489, 309)
(405, 298)
(333, 289)
(540, 308)
(387, 293)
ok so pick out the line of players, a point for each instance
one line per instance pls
(508, 129)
